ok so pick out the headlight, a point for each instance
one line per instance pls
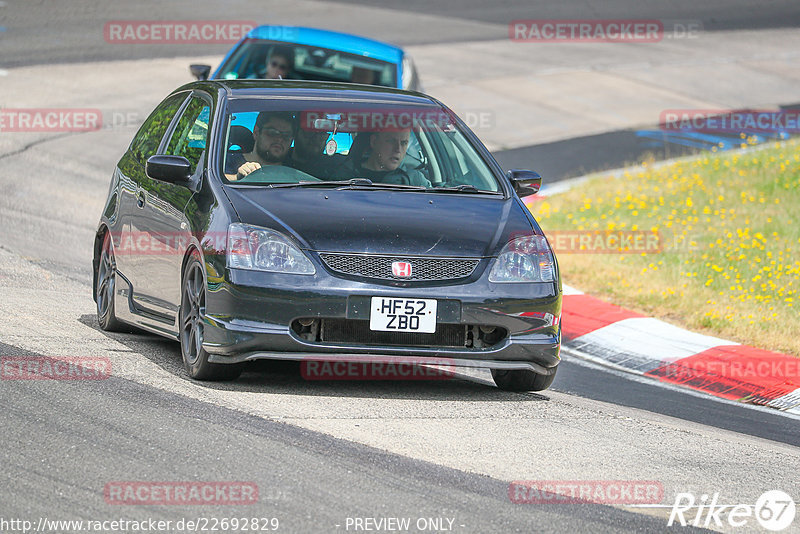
(524, 259)
(261, 249)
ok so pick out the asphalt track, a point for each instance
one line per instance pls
(714, 14)
(309, 481)
(323, 452)
(583, 155)
(29, 35)
(53, 32)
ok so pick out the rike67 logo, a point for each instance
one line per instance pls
(774, 510)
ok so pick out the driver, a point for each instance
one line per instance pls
(273, 134)
(279, 62)
(387, 150)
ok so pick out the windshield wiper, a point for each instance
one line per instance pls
(351, 183)
(324, 183)
(463, 188)
(366, 183)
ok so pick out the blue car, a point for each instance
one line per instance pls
(314, 54)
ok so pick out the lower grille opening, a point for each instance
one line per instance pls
(358, 332)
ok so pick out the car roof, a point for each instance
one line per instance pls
(313, 90)
(345, 42)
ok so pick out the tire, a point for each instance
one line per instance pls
(106, 287)
(192, 314)
(522, 380)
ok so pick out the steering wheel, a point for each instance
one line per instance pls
(277, 174)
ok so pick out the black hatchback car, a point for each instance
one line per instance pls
(325, 222)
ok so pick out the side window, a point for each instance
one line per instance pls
(147, 139)
(190, 136)
(414, 156)
(468, 168)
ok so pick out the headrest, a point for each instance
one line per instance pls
(242, 137)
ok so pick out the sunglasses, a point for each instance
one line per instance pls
(274, 132)
(278, 65)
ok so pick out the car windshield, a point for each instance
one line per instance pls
(351, 144)
(251, 61)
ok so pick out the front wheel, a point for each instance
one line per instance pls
(522, 380)
(192, 315)
(106, 287)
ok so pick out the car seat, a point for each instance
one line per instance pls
(241, 137)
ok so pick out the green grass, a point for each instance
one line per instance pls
(729, 224)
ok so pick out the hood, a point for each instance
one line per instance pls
(384, 222)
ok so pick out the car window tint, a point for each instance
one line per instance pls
(468, 164)
(337, 144)
(310, 63)
(191, 133)
(149, 136)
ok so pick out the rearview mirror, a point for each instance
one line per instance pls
(324, 125)
(525, 182)
(170, 169)
(200, 72)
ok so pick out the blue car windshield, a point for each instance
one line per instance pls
(261, 59)
(270, 142)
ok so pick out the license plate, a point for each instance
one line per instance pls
(388, 314)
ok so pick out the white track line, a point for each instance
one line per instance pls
(649, 339)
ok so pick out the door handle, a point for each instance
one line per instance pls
(140, 199)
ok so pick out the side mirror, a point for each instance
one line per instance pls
(200, 72)
(525, 182)
(170, 169)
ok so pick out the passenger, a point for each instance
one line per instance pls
(273, 134)
(387, 150)
(280, 62)
(362, 75)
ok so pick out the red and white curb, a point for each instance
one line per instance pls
(615, 337)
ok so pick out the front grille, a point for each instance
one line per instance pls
(350, 331)
(380, 267)
(357, 332)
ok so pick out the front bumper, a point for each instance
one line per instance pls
(249, 316)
